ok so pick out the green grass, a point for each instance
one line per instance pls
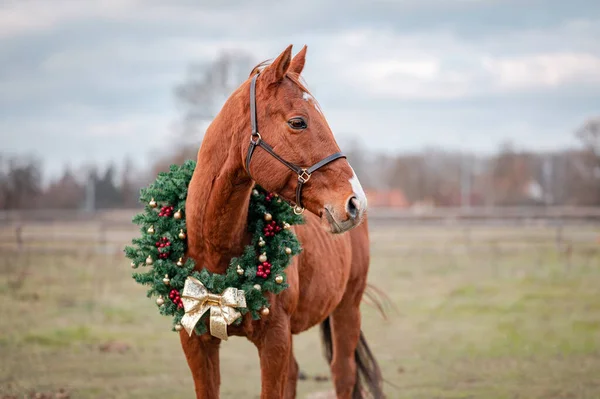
(475, 318)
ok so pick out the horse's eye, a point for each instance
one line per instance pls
(297, 123)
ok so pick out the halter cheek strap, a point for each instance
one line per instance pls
(257, 141)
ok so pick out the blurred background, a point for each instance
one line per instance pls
(474, 126)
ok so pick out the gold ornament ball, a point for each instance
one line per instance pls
(182, 234)
(149, 260)
(261, 242)
(279, 279)
(180, 262)
(268, 217)
(257, 287)
(166, 280)
(178, 327)
(288, 250)
(150, 230)
(287, 226)
(265, 311)
(177, 214)
(160, 301)
(262, 257)
(133, 265)
(240, 271)
(255, 192)
(152, 203)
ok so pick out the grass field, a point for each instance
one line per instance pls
(484, 313)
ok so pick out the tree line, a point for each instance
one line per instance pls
(435, 177)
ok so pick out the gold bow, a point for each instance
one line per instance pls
(197, 300)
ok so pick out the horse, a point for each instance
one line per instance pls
(328, 278)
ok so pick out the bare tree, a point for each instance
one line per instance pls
(64, 193)
(20, 182)
(431, 175)
(207, 86)
(587, 163)
(589, 134)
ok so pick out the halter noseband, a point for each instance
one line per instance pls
(257, 141)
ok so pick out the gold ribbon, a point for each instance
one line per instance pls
(197, 300)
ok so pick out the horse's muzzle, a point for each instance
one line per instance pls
(354, 216)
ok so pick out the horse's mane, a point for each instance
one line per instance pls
(294, 77)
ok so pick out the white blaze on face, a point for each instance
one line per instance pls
(308, 97)
(359, 193)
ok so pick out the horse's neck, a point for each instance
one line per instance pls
(217, 207)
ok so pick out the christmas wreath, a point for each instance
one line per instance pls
(187, 294)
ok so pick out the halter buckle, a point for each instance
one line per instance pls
(258, 138)
(298, 210)
(304, 176)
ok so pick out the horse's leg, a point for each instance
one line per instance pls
(202, 354)
(292, 381)
(274, 348)
(345, 333)
(350, 355)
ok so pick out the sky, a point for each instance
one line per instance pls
(92, 81)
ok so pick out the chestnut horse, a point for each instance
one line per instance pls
(327, 280)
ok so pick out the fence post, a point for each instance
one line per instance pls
(19, 237)
(559, 236)
(102, 236)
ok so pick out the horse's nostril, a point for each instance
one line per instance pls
(353, 207)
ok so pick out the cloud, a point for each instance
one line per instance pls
(31, 16)
(439, 65)
(97, 77)
(543, 70)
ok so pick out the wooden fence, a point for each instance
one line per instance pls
(485, 215)
(441, 229)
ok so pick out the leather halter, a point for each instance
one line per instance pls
(257, 141)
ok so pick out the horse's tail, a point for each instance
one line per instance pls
(368, 374)
(378, 299)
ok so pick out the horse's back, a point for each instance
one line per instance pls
(328, 266)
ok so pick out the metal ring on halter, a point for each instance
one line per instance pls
(298, 210)
(304, 176)
(258, 138)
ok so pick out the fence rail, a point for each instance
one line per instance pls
(437, 230)
(121, 218)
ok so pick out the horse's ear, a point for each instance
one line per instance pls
(275, 72)
(297, 64)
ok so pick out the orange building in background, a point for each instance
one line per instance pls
(387, 199)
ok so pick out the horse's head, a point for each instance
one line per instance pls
(293, 136)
